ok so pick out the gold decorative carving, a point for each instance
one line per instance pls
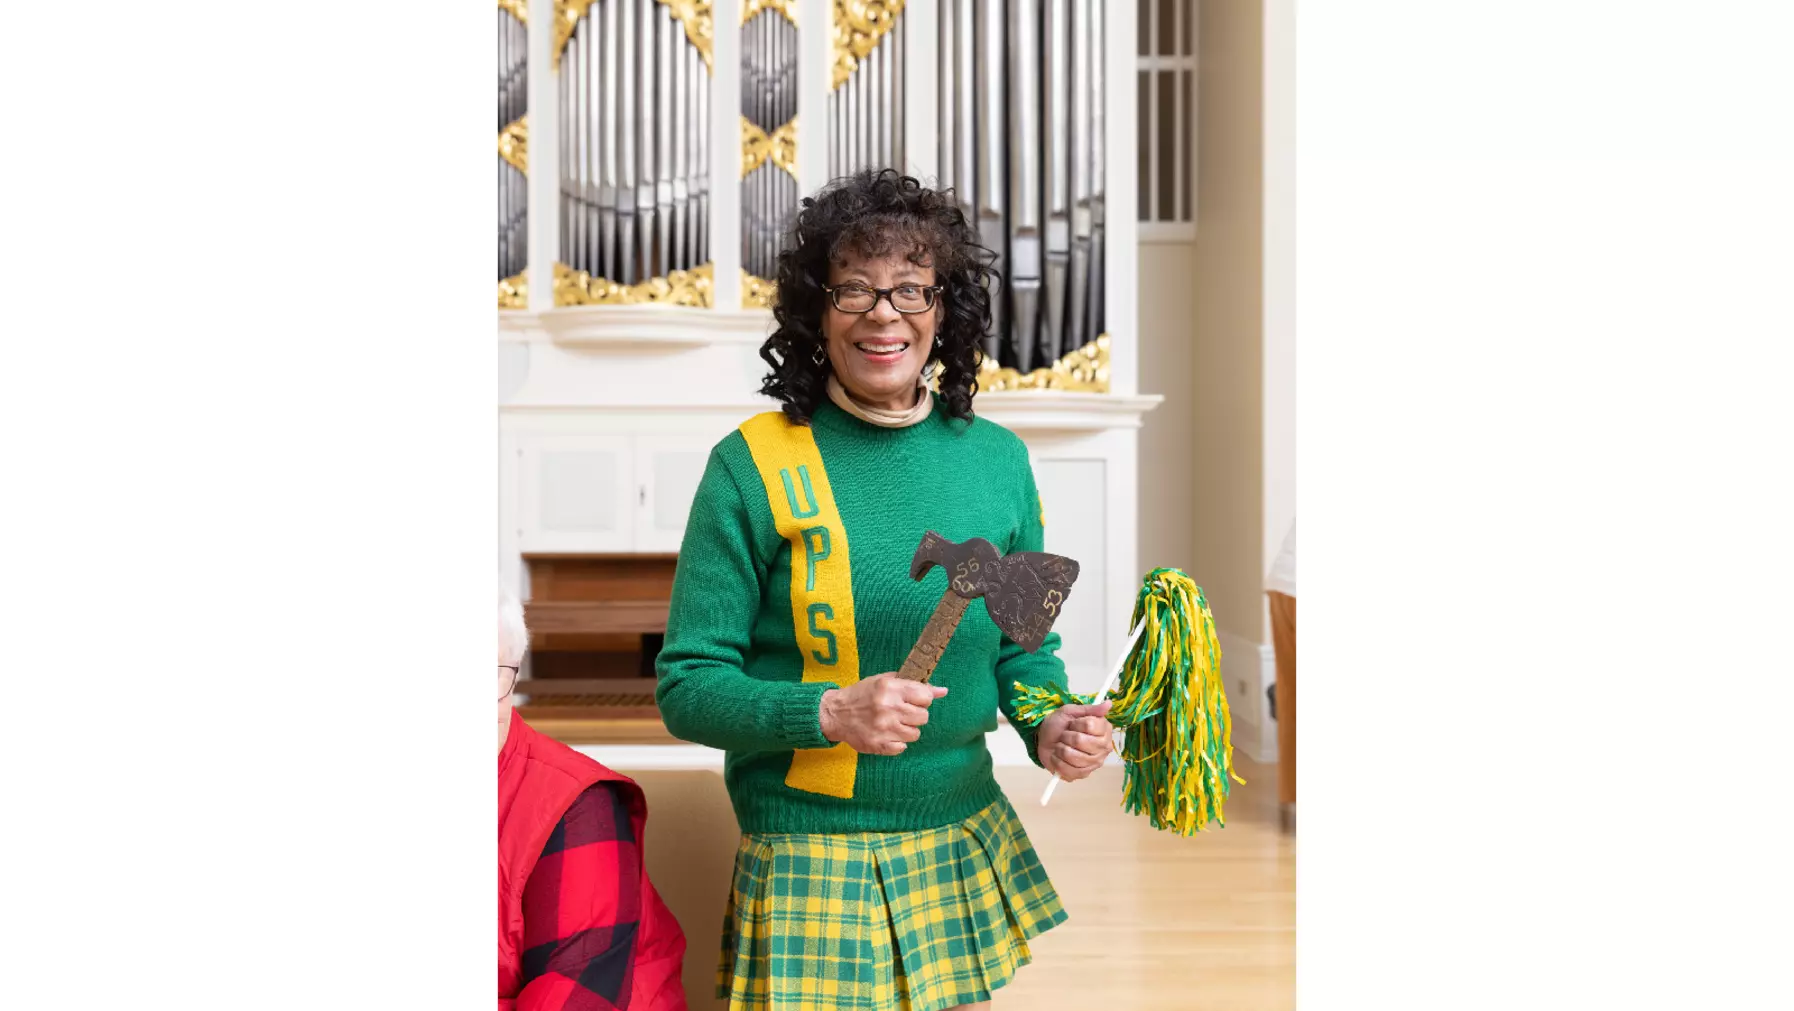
(1085, 370)
(693, 288)
(518, 9)
(757, 146)
(513, 144)
(785, 7)
(756, 292)
(513, 292)
(859, 26)
(566, 18)
(693, 14)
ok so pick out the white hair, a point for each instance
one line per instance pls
(513, 635)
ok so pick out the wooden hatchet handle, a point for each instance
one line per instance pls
(923, 656)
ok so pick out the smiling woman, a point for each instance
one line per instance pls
(864, 797)
(882, 279)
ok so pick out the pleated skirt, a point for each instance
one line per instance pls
(883, 921)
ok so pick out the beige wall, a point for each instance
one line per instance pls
(1227, 441)
(1167, 366)
(1217, 458)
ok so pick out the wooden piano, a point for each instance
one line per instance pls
(596, 624)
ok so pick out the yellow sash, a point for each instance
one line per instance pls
(803, 509)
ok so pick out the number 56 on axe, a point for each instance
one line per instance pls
(1024, 593)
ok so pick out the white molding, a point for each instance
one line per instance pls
(1058, 411)
(1022, 412)
(637, 326)
(519, 324)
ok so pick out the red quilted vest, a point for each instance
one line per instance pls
(538, 779)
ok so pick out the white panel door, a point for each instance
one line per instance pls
(576, 494)
(667, 471)
(510, 564)
(1072, 493)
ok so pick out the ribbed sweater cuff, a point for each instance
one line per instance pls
(800, 716)
(1031, 740)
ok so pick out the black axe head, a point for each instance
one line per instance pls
(1024, 592)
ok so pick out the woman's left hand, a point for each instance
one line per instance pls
(1075, 740)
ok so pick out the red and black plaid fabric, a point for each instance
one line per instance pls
(581, 908)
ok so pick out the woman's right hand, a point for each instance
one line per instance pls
(879, 715)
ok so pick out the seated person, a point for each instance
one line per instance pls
(579, 925)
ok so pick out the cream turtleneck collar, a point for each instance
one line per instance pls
(876, 415)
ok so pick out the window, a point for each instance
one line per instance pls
(1166, 92)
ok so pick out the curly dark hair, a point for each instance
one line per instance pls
(874, 214)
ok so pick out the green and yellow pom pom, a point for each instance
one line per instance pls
(1173, 706)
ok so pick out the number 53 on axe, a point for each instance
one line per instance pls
(1023, 592)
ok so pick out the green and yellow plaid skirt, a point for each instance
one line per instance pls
(883, 921)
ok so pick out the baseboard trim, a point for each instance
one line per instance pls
(652, 757)
(1254, 666)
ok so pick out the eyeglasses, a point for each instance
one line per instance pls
(507, 682)
(905, 298)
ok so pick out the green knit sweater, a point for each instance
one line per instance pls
(731, 674)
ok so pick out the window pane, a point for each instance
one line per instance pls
(1167, 116)
(1167, 27)
(1144, 45)
(1143, 142)
(1187, 142)
(1191, 13)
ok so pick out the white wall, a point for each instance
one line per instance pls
(1279, 275)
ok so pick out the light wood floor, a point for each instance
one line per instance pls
(1159, 921)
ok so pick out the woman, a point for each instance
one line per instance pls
(579, 924)
(880, 865)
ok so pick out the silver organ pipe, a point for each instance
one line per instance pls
(627, 121)
(1021, 143)
(1020, 121)
(769, 193)
(989, 132)
(676, 186)
(1024, 177)
(644, 142)
(946, 108)
(607, 136)
(634, 151)
(1057, 190)
(670, 36)
(1074, 335)
(513, 92)
(1094, 326)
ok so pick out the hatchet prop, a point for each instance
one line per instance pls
(1024, 592)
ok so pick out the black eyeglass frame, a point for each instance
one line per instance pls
(515, 673)
(834, 297)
